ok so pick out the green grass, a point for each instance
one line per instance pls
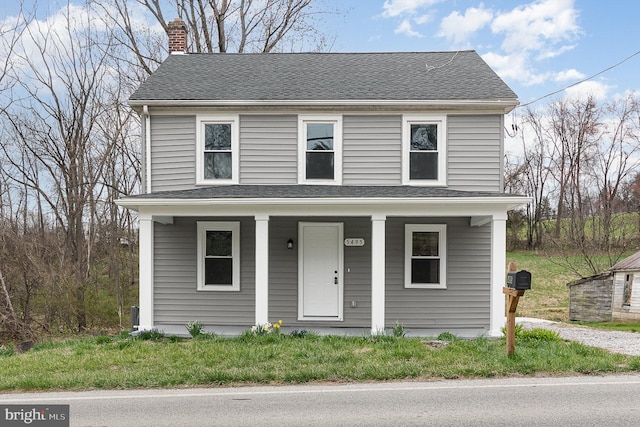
(613, 326)
(119, 363)
(548, 297)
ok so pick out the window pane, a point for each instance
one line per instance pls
(425, 243)
(320, 136)
(217, 165)
(424, 137)
(217, 136)
(423, 165)
(319, 165)
(218, 271)
(425, 271)
(219, 243)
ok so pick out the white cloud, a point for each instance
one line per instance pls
(392, 8)
(406, 29)
(458, 28)
(597, 89)
(552, 53)
(569, 75)
(537, 26)
(423, 19)
(515, 67)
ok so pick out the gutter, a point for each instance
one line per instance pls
(147, 145)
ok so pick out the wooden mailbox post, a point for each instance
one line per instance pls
(513, 296)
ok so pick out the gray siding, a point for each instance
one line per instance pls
(474, 153)
(465, 302)
(283, 273)
(269, 149)
(175, 296)
(372, 151)
(173, 152)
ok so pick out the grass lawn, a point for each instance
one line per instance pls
(122, 362)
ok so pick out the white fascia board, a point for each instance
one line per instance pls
(505, 105)
(437, 206)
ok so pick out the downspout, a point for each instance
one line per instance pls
(147, 146)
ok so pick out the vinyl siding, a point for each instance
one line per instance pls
(268, 149)
(283, 273)
(372, 153)
(474, 153)
(465, 302)
(173, 152)
(175, 296)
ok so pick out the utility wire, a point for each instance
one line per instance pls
(581, 81)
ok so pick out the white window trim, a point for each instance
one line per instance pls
(201, 121)
(234, 227)
(337, 148)
(441, 121)
(441, 229)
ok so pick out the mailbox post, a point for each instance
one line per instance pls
(517, 283)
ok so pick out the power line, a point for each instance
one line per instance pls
(581, 81)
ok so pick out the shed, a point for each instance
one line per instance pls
(607, 296)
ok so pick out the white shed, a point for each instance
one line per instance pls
(626, 300)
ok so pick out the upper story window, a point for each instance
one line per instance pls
(424, 151)
(320, 149)
(425, 256)
(217, 149)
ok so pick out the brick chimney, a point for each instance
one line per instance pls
(177, 36)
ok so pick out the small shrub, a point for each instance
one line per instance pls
(150, 335)
(266, 329)
(195, 328)
(399, 330)
(5, 351)
(539, 335)
(447, 336)
(300, 333)
(103, 339)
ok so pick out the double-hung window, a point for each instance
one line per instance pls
(218, 256)
(320, 149)
(424, 150)
(217, 149)
(425, 256)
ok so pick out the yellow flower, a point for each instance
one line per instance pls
(276, 326)
(280, 322)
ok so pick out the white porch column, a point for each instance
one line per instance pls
(377, 273)
(145, 235)
(262, 269)
(498, 273)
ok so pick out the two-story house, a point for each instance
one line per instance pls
(338, 192)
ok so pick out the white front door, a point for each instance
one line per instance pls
(320, 283)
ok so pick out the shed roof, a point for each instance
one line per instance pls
(630, 263)
(407, 76)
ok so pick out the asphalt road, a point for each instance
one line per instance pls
(571, 401)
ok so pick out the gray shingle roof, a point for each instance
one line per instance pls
(630, 263)
(324, 76)
(313, 191)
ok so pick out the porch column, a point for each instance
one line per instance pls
(377, 273)
(145, 236)
(262, 269)
(498, 262)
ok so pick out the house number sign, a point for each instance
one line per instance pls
(354, 241)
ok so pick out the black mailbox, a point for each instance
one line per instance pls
(519, 280)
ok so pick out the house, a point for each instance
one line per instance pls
(607, 296)
(338, 192)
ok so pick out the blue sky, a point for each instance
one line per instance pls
(537, 47)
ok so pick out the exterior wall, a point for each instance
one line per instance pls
(268, 149)
(626, 312)
(372, 152)
(175, 297)
(591, 301)
(475, 153)
(465, 304)
(173, 152)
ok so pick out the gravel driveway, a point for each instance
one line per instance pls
(614, 341)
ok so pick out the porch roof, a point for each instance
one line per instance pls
(316, 191)
(319, 194)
